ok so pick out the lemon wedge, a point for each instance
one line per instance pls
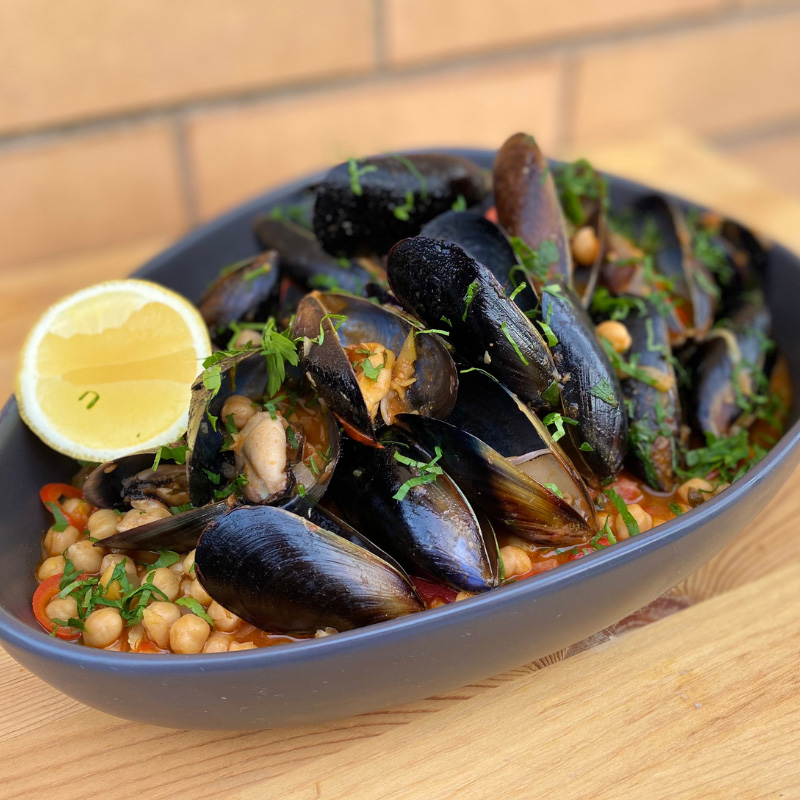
(108, 370)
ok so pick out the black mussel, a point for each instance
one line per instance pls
(597, 425)
(271, 453)
(367, 205)
(179, 532)
(690, 288)
(506, 493)
(489, 412)
(304, 261)
(244, 292)
(488, 244)
(439, 283)
(427, 525)
(106, 484)
(370, 363)
(284, 574)
(651, 396)
(528, 206)
(730, 368)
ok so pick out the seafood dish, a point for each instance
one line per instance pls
(432, 382)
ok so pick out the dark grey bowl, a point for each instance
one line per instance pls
(387, 664)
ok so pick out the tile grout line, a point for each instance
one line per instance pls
(721, 17)
(185, 171)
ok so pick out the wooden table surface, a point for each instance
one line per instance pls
(702, 704)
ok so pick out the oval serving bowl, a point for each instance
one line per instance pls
(393, 662)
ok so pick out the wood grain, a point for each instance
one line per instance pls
(703, 704)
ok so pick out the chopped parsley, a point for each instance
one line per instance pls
(616, 308)
(559, 421)
(278, 348)
(234, 486)
(552, 339)
(403, 212)
(356, 173)
(91, 402)
(535, 264)
(176, 454)
(676, 509)
(195, 608)
(575, 181)
(460, 204)
(472, 291)
(166, 559)
(586, 447)
(508, 336)
(427, 472)
(630, 523)
(61, 523)
(604, 391)
(554, 489)
(370, 370)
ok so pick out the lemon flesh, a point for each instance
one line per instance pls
(109, 370)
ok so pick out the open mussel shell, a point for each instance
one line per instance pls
(729, 368)
(244, 292)
(662, 228)
(179, 532)
(502, 490)
(282, 573)
(367, 205)
(443, 286)
(206, 459)
(105, 485)
(332, 375)
(527, 201)
(654, 410)
(433, 532)
(490, 412)
(304, 261)
(590, 391)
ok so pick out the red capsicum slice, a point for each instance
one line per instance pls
(53, 492)
(44, 593)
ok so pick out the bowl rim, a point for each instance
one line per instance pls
(18, 634)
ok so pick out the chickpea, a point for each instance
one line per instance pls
(240, 407)
(615, 333)
(188, 564)
(62, 608)
(102, 627)
(54, 565)
(721, 488)
(112, 559)
(217, 643)
(234, 646)
(165, 579)
(643, 520)
(435, 603)
(177, 568)
(103, 523)
(463, 596)
(114, 589)
(56, 542)
(585, 246)
(246, 337)
(224, 620)
(75, 506)
(323, 632)
(197, 591)
(158, 618)
(515, 541)
(137, 517)
(189, 634)
(515, 561)
(694, 491)
(85, 556)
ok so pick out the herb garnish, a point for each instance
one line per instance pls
(403, 212)
(370, 370)
(92, 402)
(355, 173)
(195, 608)
(176, 454)
(61, 523)
(472, 291)
(535, 263)
(559, 421)
(427, 472)
(630, 523)
(460, 203)
(603, 390)
(508, 336)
